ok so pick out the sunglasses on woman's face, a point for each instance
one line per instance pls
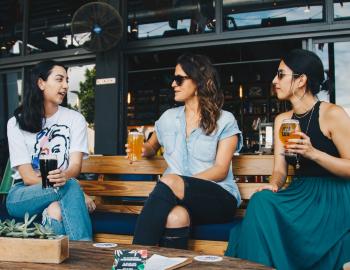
(179, 79)
(280, 74)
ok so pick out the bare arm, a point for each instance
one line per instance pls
(279, 172)
(280, 165)
(60, 177)
(29, 176)
(218, 172)
(151, 147)
(338, 123)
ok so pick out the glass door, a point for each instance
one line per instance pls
(335, 56)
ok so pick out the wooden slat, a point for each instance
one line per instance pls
(113, 238)
(121, 165)
(118, 188)
(203, 246)
(252, 165)
(208, 247)
(248, 189)
(242, 165)
(240, 213)
(246, 165)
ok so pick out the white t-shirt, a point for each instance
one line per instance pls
(63, 133)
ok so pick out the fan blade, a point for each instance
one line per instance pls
(111, 23)
(82, 26)
(97, 25)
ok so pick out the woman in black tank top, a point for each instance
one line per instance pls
(307, 224)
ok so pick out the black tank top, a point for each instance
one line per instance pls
(318, 140)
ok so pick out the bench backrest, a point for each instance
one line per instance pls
(111, 192)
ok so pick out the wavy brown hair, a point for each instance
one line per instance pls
(211, 98)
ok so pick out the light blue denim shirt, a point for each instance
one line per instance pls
(197, 153)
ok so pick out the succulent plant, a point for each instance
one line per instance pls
(9, 228)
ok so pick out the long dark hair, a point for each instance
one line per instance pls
(210, 96)
(31, 113)
(308, 63)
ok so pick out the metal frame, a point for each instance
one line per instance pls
(322, 29)
(315, 30)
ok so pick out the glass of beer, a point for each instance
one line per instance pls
(48, 162)
(135, 142)
(287, 131)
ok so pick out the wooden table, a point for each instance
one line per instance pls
(83, 255)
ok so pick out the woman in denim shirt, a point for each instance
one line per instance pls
(199, 140)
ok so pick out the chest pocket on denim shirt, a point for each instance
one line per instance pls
(204, 148)
(169, 140)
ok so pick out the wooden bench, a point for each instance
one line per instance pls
(127, 196)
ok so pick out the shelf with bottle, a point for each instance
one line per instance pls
(250, 103)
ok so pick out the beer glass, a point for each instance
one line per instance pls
(286, 132)
(135, 142)
(48, 162)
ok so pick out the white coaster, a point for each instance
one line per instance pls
(208, 258)
(104, 245)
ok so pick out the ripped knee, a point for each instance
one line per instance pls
(178, 218)
(54, 211)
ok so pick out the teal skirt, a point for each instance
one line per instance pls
(306, 226)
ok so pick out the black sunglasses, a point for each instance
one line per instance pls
(280, 74)
(179, 80)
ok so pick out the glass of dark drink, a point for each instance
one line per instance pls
(48, 162)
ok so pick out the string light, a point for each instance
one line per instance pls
(240, 91)
(129, 98)
(134, 26)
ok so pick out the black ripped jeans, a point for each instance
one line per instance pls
(205, 201)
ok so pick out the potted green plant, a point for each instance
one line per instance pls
(31, 242)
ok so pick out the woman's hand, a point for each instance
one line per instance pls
(127, 150)
(90, 204)
(272, 187)
(57, 177)
(301, 146)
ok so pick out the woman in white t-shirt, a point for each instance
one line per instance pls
(41, 125)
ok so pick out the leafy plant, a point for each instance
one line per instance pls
(87, 96)
(9, 228)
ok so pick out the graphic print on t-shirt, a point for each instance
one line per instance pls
(53, 140)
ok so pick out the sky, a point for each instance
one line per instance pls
(76, 75)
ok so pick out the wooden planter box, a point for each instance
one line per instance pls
(34, 250)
